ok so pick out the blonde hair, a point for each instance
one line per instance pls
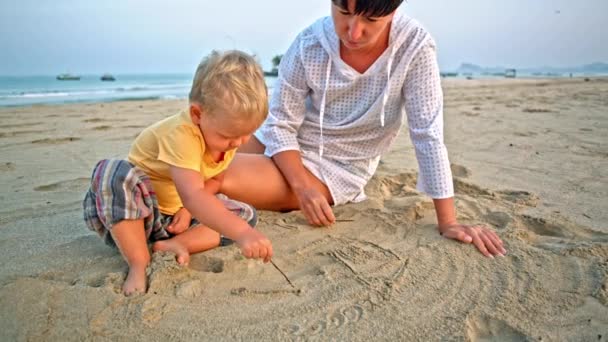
(231, 83)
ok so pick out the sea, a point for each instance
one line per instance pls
(32, 90)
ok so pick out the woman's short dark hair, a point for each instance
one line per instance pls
(371, 8)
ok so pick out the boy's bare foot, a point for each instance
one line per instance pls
(135, 282)
(181, 253)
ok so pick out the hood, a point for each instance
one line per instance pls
(324, 31)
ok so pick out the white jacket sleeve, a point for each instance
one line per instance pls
(287, 104)
(424, 108)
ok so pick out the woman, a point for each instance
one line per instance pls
(344, 88)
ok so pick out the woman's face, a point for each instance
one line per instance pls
(357, 32)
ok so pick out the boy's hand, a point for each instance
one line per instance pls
(255, 245)
(181, 222)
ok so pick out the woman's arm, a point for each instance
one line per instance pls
(424, 108)
(286, 114)
(486, 241)
(313, 196)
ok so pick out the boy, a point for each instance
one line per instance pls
(174, 170)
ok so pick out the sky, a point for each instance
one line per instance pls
(153, 36)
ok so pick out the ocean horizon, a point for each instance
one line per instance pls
(47, 89)
(17, 91)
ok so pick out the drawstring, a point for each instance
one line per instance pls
(322, 109)
(388, 84)
(323, 98)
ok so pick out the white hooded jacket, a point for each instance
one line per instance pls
(341, 121)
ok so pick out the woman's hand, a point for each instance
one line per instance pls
(180, 222)
(315, 207)
(486, 241)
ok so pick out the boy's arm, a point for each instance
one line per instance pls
(211, 212)
(181, 219)
(214, 184)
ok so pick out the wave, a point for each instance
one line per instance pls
(46, 90)
(153, 87)
(93, 92)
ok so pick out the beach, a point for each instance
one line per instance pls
(529, 158)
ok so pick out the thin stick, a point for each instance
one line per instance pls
(278, 269)
(345, 220)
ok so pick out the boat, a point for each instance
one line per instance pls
(272, 73)
(449, 74)
(510, 73)
(108, 77)
(67, 77)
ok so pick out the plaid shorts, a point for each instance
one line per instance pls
(120, 191)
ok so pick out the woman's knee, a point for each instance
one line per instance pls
(252, 146)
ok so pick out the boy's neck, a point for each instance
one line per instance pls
(217, 156)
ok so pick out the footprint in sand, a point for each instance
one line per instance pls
(489, 329)
(460, 171)
(102, 128)
(536, 110)
(7, 166)
(518, 197)
(562, 229)
(168, 278)
(204, 263)
(72, 184)
(18, 133)
(498, 219)
(514, 196)
(562, 237)
(153, 309)
(400, 185)
(602, 292)
(189, 289)
(94, 120)
(55, 141)
(525, 134)
(28, 124)
(464, 188)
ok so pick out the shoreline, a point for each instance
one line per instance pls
(446, 81)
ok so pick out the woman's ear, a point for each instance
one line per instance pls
(195, 113)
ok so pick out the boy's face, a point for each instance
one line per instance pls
(219, 135)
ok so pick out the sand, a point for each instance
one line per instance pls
(529, 159)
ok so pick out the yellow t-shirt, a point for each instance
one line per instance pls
(175, 141)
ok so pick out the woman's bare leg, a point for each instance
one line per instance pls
(255, 179)
(252, 146)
